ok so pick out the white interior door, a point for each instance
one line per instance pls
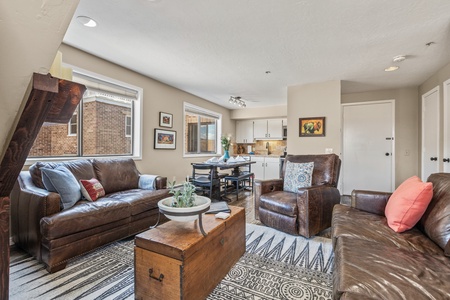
(368, 146)
(446, 155)
(430, 133)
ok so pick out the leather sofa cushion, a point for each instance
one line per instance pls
(284, 203)
(436, 220)
(140, 200)
(352, 223)
(116, 174)
(368, 270)
(80, 168)
(83, 216)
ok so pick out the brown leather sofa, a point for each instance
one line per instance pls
(374, 262)
(53, 236)
(308, 211)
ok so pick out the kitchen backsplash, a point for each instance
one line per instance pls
(262, 147)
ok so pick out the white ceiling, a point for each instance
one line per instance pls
(218, 48)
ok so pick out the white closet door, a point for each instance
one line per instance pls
(430, 133)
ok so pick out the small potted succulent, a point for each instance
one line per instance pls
(184, 201)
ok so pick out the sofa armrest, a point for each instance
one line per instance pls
(370, 201)
(315, 206)
(29, 204)
(161, 183)
(264, 187)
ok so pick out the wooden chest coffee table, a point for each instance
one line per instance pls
(175, 261)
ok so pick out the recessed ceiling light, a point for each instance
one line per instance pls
(391, 68)
(86, 21)
(399, 58)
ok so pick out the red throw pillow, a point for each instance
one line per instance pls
(92, 189)
(408, 204)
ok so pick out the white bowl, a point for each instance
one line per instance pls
(200, 203)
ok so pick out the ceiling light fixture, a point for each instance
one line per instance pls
(399, 58)
(86, 21)
(237, 101)
(391, 68)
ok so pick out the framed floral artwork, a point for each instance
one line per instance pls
(165, 139)
(165, 119)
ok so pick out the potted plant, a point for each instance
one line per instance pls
(184, 205)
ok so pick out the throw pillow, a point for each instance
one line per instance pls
(147, 182)
(62, 181)
(297, 175)
(92, 189)
(408, 203)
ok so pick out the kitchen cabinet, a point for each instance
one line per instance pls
(244, 131)
(271, 129)
(266, 167)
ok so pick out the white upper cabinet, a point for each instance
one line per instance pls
(271, 129)
(244, 131)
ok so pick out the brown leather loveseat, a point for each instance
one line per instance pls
(52, 235)
(374, 262)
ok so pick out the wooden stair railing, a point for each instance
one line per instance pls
(50, 100)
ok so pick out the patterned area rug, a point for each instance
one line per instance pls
(275, 266)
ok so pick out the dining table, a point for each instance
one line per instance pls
(221, 165)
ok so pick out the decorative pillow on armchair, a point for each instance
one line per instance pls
(62, 181)
(297, 175)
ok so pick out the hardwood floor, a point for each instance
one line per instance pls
(245, 200)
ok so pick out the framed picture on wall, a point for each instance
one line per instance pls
(165, 139)
(165, 119)
(312, 126)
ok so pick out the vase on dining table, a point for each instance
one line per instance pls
(226, 155)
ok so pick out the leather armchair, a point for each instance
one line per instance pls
(308, 211)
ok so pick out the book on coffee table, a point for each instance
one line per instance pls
(219, 206)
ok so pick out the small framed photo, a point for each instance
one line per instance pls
(312, 126)
(165, 139)
(165, 120)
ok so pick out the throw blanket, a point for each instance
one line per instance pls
(147, 182)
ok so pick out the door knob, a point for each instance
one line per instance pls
(446, 159)
(433, 158)
(387, 154)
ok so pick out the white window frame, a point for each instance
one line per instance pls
(128, 126)
(69, 125)
(137, 124)
(205, 112)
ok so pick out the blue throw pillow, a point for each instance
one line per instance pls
(62, 181)
(297, 175)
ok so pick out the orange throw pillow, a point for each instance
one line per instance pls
(408, 204)
(92, 189)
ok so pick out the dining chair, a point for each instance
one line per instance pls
(205, 180)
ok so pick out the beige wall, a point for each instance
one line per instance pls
(157, 97)
(436, 79)
(406, 126)
(260, 112)
(314, 100)
(31, 32)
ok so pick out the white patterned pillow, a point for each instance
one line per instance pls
(297, 175)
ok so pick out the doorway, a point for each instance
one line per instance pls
(368, 148)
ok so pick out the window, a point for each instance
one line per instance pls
(73, 125)
(128, 126)
(201, 131)
(97, 127)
